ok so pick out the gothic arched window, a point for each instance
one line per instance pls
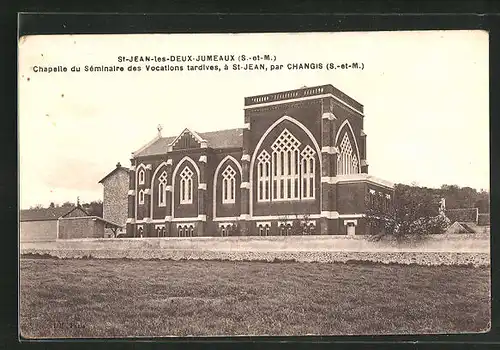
(162, 190)
(228, 185)
(186, 186)
(285, 167)
(347, 161)
(263, 176)
(142, 177)
(287, 174)
(141, 197)
(308, 170)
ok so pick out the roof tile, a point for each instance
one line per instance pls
(45, 213)
(216, 139)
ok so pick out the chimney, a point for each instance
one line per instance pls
(118, 165)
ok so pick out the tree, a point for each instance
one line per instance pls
(414, 211)
(94, 208)
(300, 225)
(483, 202)
(465, 197)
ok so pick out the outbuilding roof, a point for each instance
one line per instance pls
(47, 214)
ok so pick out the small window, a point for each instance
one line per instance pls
(141, 197)
(162, 187)
(142, 177)
(282, 230)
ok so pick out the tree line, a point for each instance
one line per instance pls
(416, 210)
(93, 208)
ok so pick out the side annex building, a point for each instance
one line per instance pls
(301, 155)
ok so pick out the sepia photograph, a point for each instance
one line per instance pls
(264, 184)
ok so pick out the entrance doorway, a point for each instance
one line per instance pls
(351, 229)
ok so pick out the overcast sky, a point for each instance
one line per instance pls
(425, 96)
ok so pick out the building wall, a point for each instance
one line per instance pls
(84, 227)
(115, 197)
(318, 122)
(36, 231)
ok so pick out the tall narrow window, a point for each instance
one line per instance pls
(186, 186)
(141, 197)
(261, 230)
(286, 175)
(263, 176)
(162, 190)
(142, 177)
(308, 172)
(347, 162)
(228, 185)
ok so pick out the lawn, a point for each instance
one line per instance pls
(120, 298)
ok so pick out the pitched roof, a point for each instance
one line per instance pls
(216, 139)
(46, 214)
(224, 138)
(118, 168)
(93, 217)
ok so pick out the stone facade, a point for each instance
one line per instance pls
(115, 197)
(298, 166)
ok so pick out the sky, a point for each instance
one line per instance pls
(425, 96)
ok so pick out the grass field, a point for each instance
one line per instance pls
(120, 298)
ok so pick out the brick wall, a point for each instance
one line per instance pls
(33, 231)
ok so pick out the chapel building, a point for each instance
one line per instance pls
(300, 158)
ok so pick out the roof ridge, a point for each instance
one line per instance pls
(202, 132)
(225, 138)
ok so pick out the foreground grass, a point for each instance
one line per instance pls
(119, 298)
